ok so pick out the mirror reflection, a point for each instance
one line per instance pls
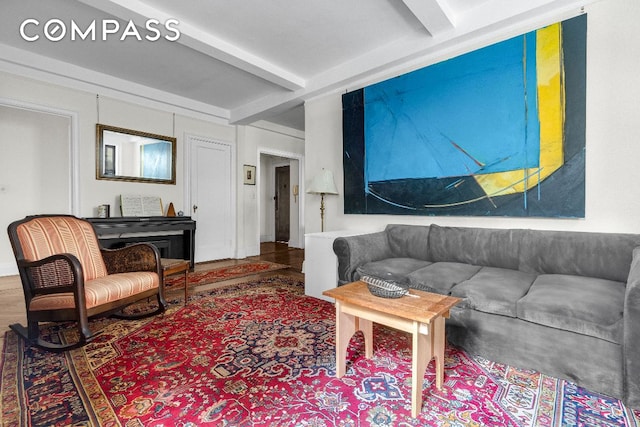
(129, 155)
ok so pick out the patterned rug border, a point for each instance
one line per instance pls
(219, 274)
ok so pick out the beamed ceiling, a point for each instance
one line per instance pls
(248, 60)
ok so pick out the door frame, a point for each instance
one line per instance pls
(189, 140)
(301, 194)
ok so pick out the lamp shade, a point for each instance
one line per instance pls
(323, 183)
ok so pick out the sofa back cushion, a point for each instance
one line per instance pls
(603, 255)
(409, 241)
(479, 246)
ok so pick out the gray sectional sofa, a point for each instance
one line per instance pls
(563, 303)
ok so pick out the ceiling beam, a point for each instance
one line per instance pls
(202, 42)
(435, 15)
(267, 106)
(221, 50)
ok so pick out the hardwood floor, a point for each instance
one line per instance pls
(282, 254)
(12, 306)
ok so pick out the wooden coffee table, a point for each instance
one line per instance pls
(422, 315)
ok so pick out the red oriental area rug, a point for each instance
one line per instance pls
(262, 354)
(219, 274)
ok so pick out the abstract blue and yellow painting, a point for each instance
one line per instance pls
(497, 131)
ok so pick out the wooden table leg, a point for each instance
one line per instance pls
(186, 286)
(366, 326)
(421, 355)
(176, 266)
(345, 328)
(438, 349)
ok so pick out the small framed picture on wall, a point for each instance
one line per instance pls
(249, 175)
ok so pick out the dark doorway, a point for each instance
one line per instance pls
(282, 203)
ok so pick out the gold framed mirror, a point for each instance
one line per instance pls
(131, 155)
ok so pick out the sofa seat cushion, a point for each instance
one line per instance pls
(494, 290)
(396, 269)
(440, 277)
(584, 305)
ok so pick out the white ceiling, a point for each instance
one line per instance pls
(250, 60)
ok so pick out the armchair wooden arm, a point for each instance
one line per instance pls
(56, 273)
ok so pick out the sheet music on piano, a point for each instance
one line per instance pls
(138, 205)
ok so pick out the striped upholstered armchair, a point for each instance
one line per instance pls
(67, 276)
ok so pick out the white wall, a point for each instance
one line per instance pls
(267, 227)
(612, 139)
(90, 108)
(296, 213)
(113, 112)
(272, 140)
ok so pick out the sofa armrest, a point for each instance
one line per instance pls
(354, 251)
(631, 334)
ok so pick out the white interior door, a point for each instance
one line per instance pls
(212, 204)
